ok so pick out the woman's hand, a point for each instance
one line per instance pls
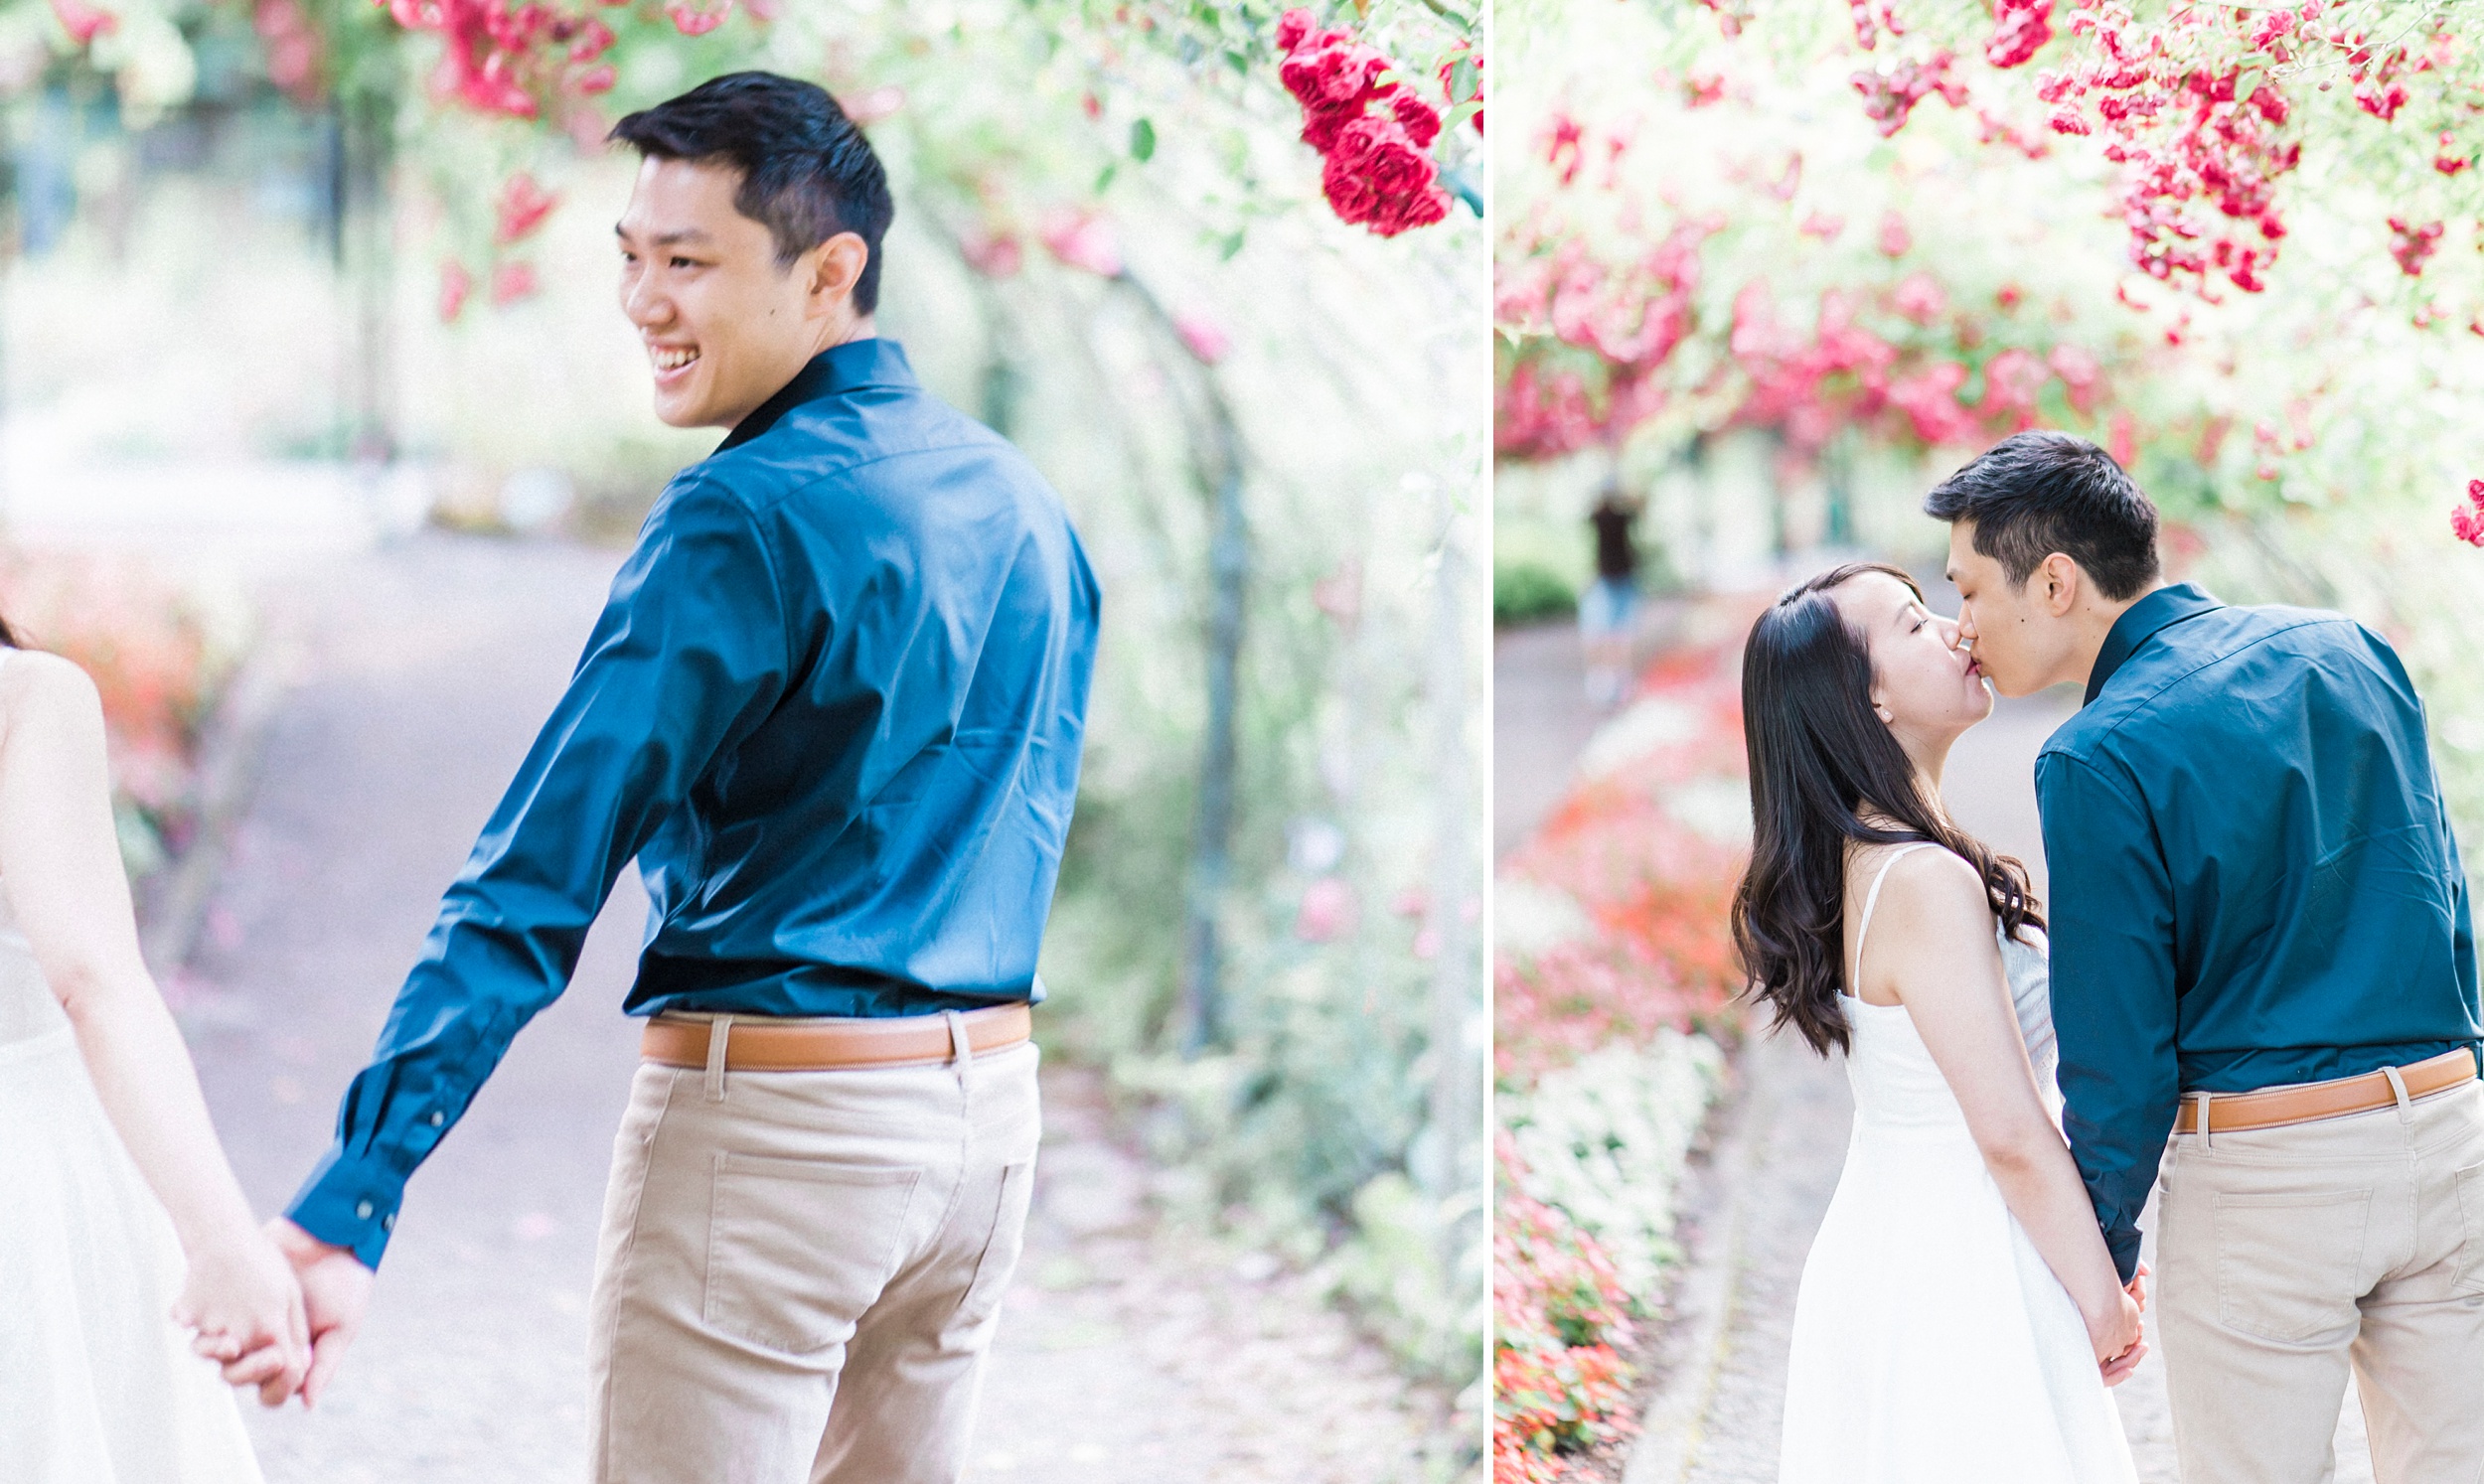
(2115, 1334)
(244, 1303)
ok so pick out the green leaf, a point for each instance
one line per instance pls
(1143, 140)
(1461, 78)
(1104, 182)
(1229, 245)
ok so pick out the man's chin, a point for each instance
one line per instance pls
(682, 412)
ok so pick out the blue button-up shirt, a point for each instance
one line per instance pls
(833, 707)
(2254, 880)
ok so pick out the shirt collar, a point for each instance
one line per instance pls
(2139, 622)
(840, 369)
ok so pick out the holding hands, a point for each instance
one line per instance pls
(277, 1311)
(241, 1300)
(2119, 1338)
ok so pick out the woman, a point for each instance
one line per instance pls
(1960, 1317)
(110, 1176)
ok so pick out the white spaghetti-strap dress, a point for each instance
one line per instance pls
(1931, 1345)
(98, 1385)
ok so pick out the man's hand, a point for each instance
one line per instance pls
(336, 1290)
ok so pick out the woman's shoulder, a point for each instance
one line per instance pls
(36, 683)
(1921, 877)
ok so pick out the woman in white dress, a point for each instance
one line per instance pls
(122, 1228)
(1959, 1318)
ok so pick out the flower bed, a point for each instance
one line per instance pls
(1614, 984)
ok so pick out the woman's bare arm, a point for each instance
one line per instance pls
(1932, 949)
(61, 869)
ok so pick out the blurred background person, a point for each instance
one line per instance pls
(1608, 609)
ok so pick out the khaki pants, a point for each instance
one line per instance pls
(800, 1272)
(2288, 1254)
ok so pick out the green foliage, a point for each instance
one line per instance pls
(1524, 592)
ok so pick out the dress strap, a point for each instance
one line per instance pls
(1871, 899)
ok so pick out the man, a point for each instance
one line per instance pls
(834, 709)
(2260, 947)
(1610, 605)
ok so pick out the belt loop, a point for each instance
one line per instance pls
(961, 1050)
(719, 1032)
(2398, 1086)
(2205, 1146)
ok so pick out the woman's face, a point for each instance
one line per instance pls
(1924, 685)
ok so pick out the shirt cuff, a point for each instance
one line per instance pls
(2122, 1240)
(351, 1204)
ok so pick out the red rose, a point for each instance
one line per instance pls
(1377, 175)
(1422, 120)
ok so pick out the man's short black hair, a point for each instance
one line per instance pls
(2037, 492)
(808, 173)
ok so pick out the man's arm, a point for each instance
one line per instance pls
(2112, 966)
(690, 653)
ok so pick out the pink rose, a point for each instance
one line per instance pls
(1292, 27)
(1084, 240)
(455, 284)
(84, 21)
(522, 207)
(1328, 912)
(511, 283)
(1203, 338)
(1920, 297)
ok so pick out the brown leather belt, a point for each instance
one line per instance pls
(2314, 1101)
(764, 1044)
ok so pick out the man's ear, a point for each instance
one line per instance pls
(836, 267)
(2062, 581)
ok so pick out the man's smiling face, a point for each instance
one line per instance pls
(725, 326)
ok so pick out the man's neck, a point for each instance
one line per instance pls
(2096, 621)
(833, 334)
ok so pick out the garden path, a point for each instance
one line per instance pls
(1131, 1351)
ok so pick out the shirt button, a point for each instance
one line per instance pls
(388, 1223)
(363, 1211)
(437, 1118)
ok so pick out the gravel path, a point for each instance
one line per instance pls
(1131, 1351)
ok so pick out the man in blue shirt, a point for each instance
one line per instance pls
(834, 709)
(2262, 948)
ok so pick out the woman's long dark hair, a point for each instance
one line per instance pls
(1819, 759)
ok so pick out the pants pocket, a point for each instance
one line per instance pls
(2469, 1283)
(1000, 1249)
(2289, 1262)
(798, 1248)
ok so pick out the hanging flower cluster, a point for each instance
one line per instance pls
(2411, 244)
(1891, 93)
(293, 48)
(1375, 136)
(1542, 410)
(2468, 522)
(2019, 31)
(515, 59)
(2190, 115)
